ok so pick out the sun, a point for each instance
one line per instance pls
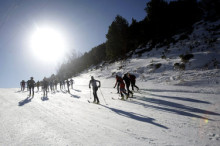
(48, 44)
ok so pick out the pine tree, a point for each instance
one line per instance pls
(117, 37)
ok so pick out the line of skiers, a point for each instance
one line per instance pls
(46, 85)
(128, 79)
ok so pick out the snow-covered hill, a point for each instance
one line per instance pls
(158, 115)
(172, 107)
(168, 64)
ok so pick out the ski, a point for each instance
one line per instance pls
(92, 102)
(129, 99)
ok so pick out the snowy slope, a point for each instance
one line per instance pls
(158, 115)
(172, 107)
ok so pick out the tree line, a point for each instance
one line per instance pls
(163, 20)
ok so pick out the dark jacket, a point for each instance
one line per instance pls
(126, 79)
(31, 83)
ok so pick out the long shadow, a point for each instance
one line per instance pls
(77, 90)
(135, 116)
(44, 98)
(165, 90)
(25, 101)
(75, 96)
(18, 91)
(175, 111)
(177, 105)
(181, 98)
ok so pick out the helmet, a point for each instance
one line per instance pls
(92, 77)
(31, 78)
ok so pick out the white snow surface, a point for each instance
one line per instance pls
(172, 107)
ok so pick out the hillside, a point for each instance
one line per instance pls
(189, 59)
(174, 106)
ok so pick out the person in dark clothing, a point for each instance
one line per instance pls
(51, 86)
(127, 82)
(64, 86)
(93, 82)
(28, 85)
(120, 81)
(68, 85)
(71, 83)
(22, 85)
(133, 81)
(31, 85)
(45, 86)
(118, 87)
(38, 85)
(61, 83)
(55, 85)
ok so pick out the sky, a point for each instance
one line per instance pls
(83, 24)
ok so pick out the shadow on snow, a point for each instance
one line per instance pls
(44, 98)
(25, 101)
(178, 98)
(77, 90)
(176, 105)
(182, 99)
(135, 116)
(183, 91)
(173, 107)
(75, 96)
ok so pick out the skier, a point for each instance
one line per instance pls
(127, 82)
(64, 84)
(38, 85)
(45, 86)
(28, 85)
(51, 86)
(31, 85)
(121, 83)
(68, 85)
(71, 83)
(133, 81)
(55, 84)
(118, 87)
(61, 85)
(95, 88)
(22, 85)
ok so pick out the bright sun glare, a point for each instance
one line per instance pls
(48, 44)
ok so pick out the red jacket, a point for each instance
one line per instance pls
(120, 81)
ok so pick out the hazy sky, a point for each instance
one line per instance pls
(83, 24)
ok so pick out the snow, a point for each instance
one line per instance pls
(158, 115)
(172, 107)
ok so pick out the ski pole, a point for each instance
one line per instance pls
(103, 96)
(90, 93)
